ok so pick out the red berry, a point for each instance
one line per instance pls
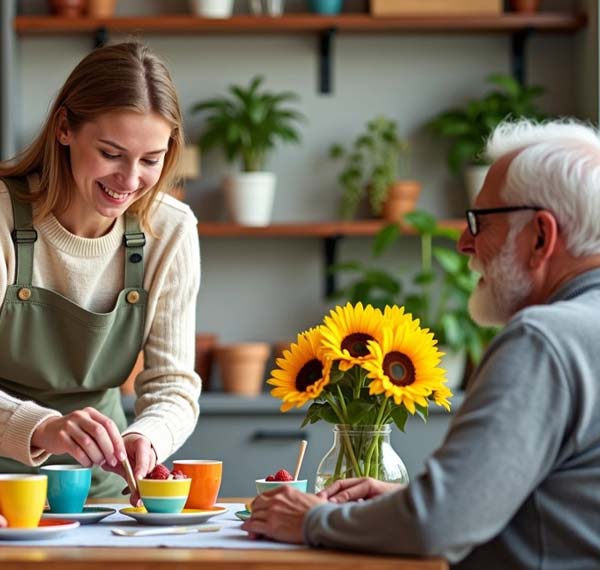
(270, 478)
(159, 472)
(283, 475)
(178, 474)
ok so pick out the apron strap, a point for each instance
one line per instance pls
(24, 234)
(134, 241)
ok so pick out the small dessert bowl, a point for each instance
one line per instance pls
(164, 495)
(263, 485)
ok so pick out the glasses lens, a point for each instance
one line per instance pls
(472, 222)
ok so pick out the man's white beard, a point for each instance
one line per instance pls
(506, 286)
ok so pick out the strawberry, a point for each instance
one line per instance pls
(177, 474)
(159, 472)
(283, 475)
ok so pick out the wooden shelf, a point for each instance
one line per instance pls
(303, 23)
(305, 229)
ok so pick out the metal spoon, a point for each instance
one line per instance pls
(165, 530)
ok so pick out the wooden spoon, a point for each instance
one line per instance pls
(301, 452)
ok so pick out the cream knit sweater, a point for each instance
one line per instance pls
(90, 273)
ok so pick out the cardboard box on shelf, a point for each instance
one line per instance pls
(389, 8)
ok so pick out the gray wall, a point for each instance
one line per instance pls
(269, 289)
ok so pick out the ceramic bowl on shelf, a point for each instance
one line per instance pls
(263, 485)
(164, 495)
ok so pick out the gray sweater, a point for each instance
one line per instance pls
(516, 483)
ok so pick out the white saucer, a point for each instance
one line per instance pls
(187, 516)
(89, 515)
(46, 529)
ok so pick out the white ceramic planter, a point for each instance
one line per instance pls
(212, 8)
(249, 197)
(474, 177)
(454, 365)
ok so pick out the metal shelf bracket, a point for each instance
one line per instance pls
(325, 62)
(329, 258)
(518, 53)
(100, 37)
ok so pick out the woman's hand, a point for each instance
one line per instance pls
(344, 490)
(88, 436)
(3, 522)
(279, 514)
(142, 458)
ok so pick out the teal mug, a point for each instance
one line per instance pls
(68, 487)
(326, 6)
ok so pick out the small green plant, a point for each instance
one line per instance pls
(249, 123)
(439, 292)
(374, 161)
(468, 128)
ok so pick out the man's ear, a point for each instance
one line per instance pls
(63, 132)
(545, 235)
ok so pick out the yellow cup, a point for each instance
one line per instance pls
(22, 499)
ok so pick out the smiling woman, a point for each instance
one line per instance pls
(96, 264)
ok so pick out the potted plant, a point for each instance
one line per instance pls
(468, 127)
(377, 164)
(438, 294)
(247, 125)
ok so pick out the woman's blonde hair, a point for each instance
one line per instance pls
(125, 76)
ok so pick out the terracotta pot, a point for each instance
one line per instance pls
(101, 8)
(205, 352)
(67, 8)
(525, 6)
(127, 386)
(242, 367)
(402, 198)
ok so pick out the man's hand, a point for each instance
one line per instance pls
(142, 458)
(88, 436)
(344, 490)
(279, 514)
(3, 522)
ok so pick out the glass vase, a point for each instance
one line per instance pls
(360, 451)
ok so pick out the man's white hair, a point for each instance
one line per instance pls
(557, 168)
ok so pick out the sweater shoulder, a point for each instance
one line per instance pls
(171, 216)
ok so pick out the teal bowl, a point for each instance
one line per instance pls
(164, 495)
(164, 504)
(262, 485)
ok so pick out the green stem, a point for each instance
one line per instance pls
(345, 437)
(342, 403)
(426, 265)
(374, 444)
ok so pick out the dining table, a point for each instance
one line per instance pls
(46, 556)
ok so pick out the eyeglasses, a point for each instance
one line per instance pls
(472, 215)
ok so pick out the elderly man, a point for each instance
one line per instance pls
(516, 483)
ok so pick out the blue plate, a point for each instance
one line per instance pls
(243, 515)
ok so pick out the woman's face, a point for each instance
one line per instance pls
(115, 160)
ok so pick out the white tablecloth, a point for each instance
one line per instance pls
(99, 534)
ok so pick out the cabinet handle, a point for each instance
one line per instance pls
(279, 434)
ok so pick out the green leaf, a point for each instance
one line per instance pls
(424, 278)
(384, 238)
(358, 410)
(423, 411)
(400, 415)
(328, 415)
(453, 333)
(421, 221)
(451, 261)
(345, 266)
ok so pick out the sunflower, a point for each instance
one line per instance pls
(405, 364)
(303, 371)
(347, 332)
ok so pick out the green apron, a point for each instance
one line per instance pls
(61, 356)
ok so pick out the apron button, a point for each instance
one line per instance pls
(24, 294)
(132, 297)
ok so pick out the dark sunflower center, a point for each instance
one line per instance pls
(356, 344)
(399, 368)
(310, 373)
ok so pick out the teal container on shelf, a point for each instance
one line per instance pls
(326, 6)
